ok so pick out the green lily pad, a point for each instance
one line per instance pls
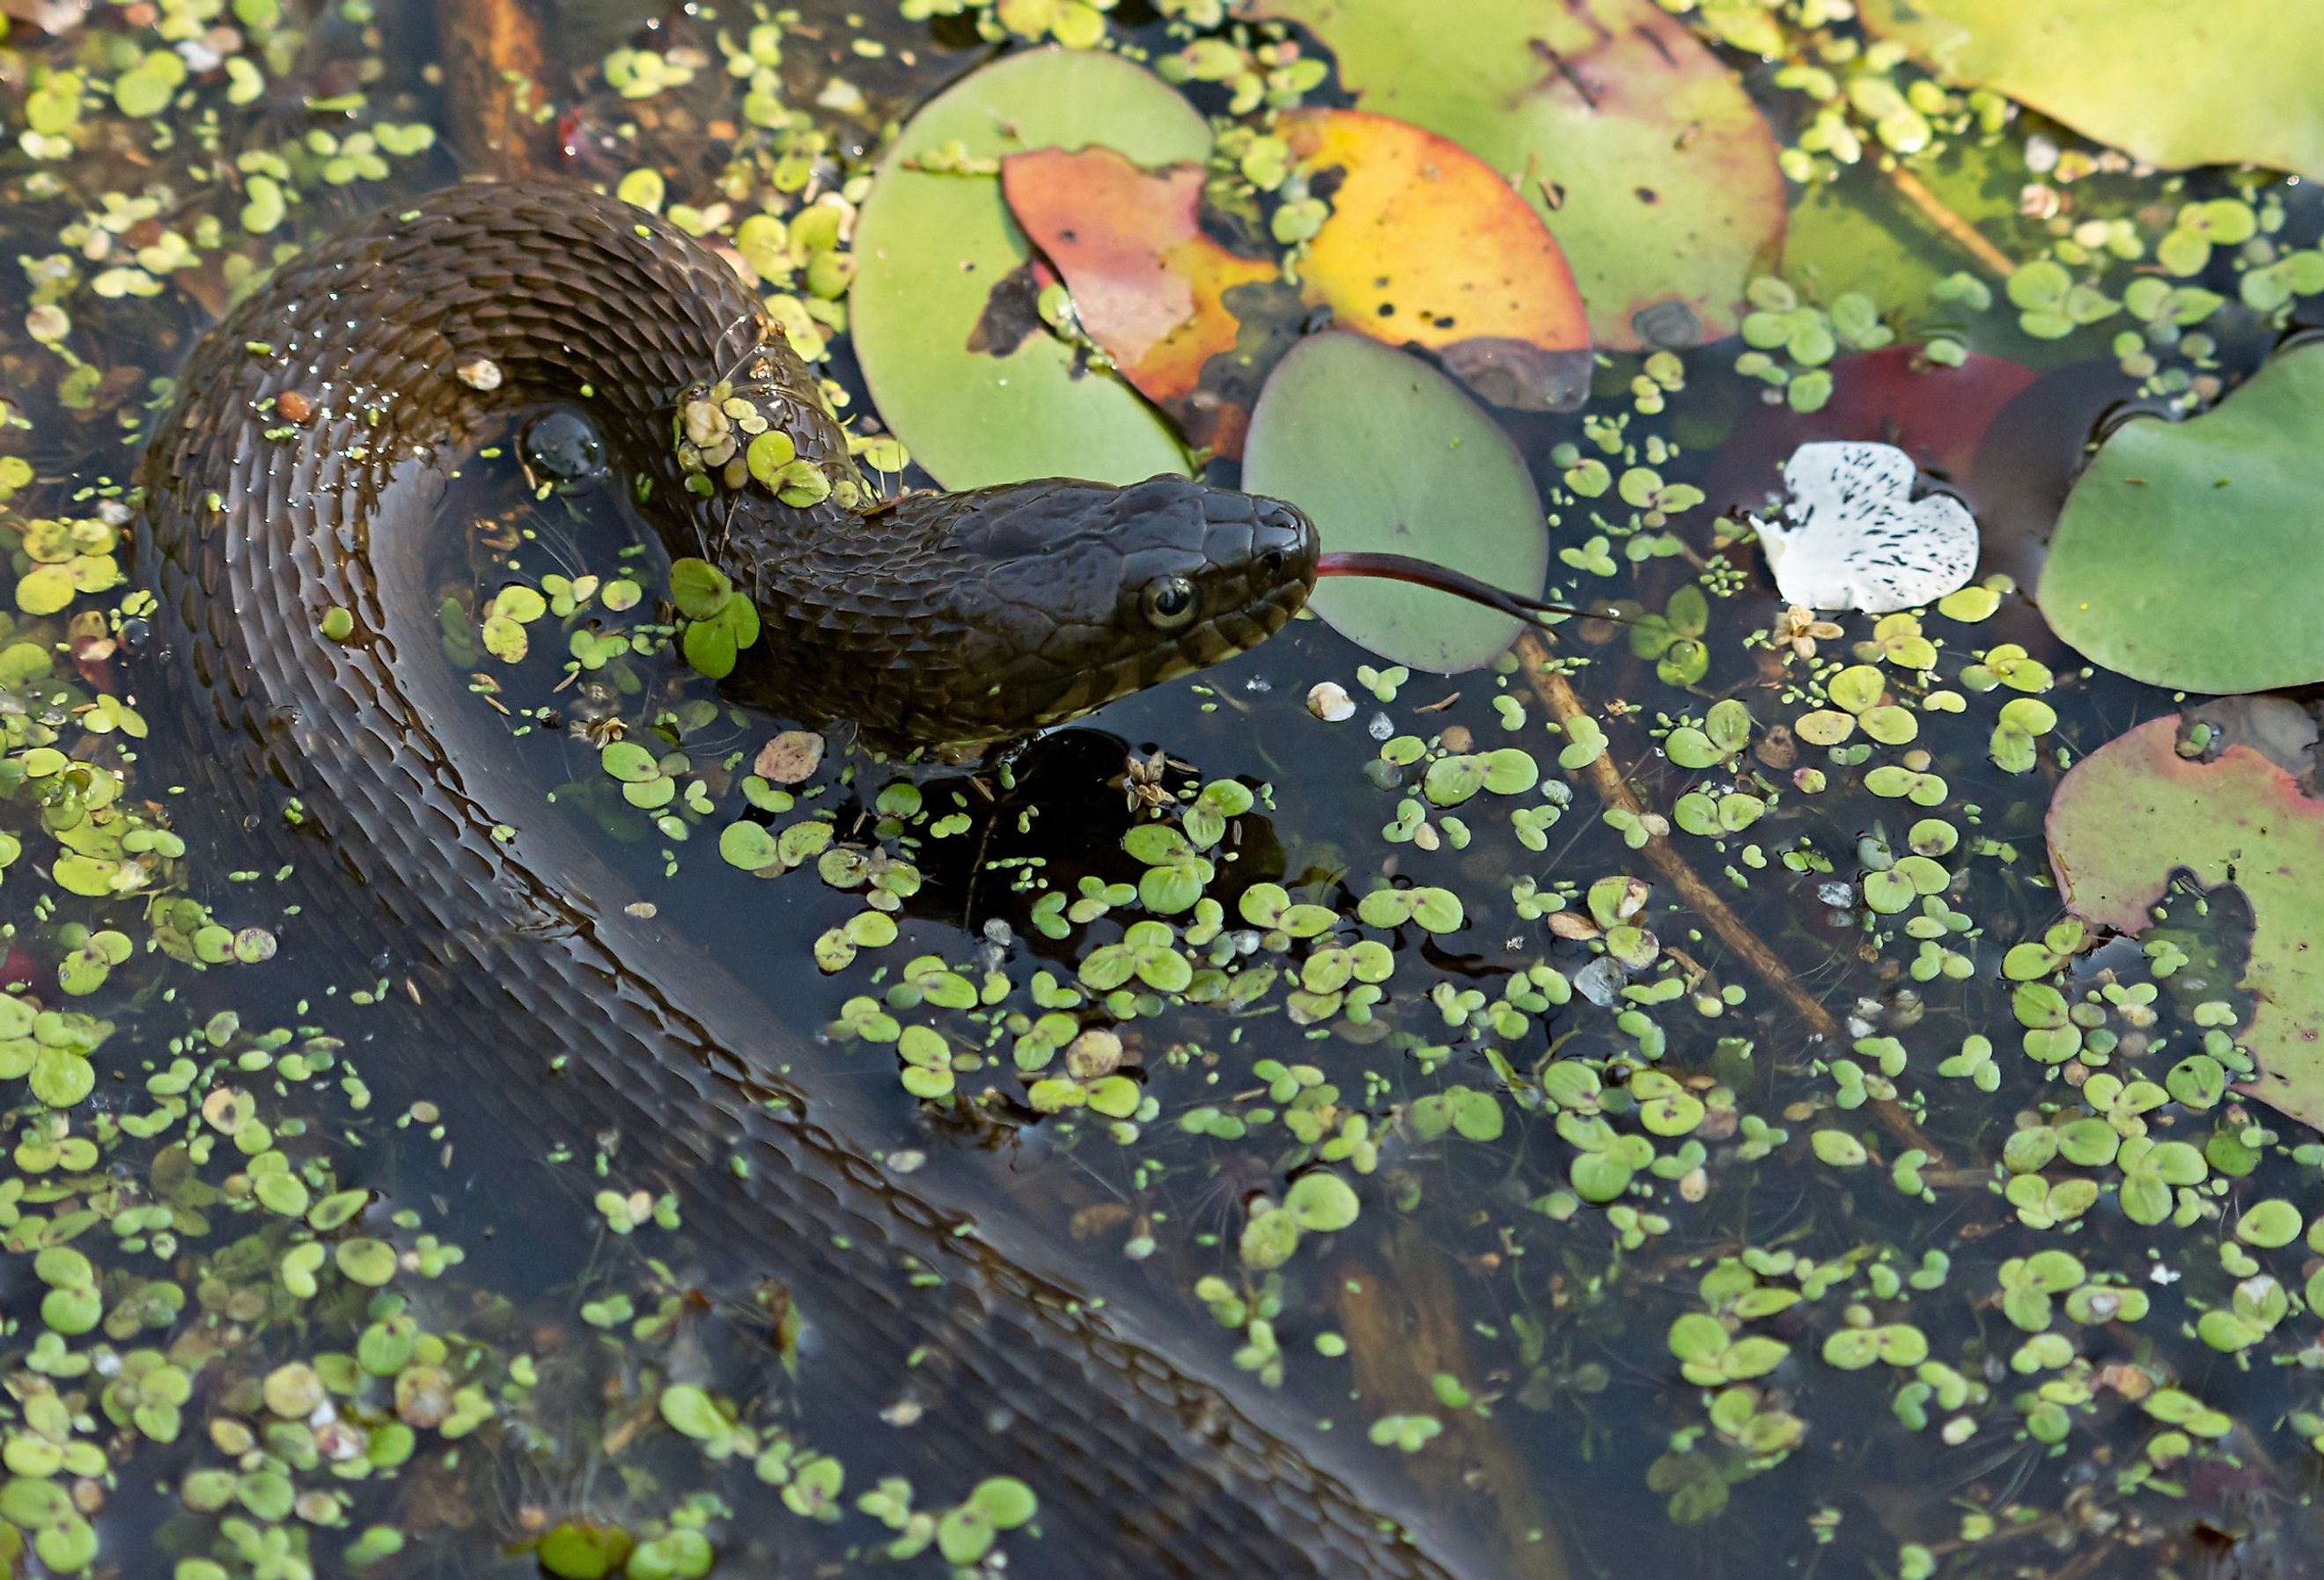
(1640, 150)
(1386, 455)
(2230, 82)
(2192, 555)
(962, 369)
(2132, 813)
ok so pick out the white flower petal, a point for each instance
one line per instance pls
(1855, 538)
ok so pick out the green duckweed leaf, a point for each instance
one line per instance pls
(578, 1550)
(690, 1411)
(1321, 1201)
(366, 1261)
(2270, 1224)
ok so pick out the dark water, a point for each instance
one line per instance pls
(1530, 1329)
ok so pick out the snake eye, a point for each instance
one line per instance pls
(1168, 602)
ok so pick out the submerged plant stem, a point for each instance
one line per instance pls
(1402, 1319)
(1964, 235)
(494, 60)
(1565, 705)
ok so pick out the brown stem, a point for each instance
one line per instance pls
(1970, 239)
(1565, 705)
(494, 65)
(1402, 1321)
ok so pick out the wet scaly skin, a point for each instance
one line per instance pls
(949, 621)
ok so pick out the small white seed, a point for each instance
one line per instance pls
(1329, 701)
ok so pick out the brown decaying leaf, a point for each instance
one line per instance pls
(1425, 246)
(789, 758)
(1147, 282)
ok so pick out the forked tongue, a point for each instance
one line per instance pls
(1422, 573)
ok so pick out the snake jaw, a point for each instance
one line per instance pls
(1029, 602)
(1254, 569)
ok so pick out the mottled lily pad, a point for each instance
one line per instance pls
(1388, 456)
(2228, 82)
(2191, 554)
(1426, 246)
(1639, 149)
(2135, 811)
(1148, 284)
(943, 308)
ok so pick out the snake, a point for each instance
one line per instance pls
(288, 499)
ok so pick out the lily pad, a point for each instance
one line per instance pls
(2192, 555)
(1639, 149)
(1148, 284)
(1427, 246)
(1386, 455)
(2135, 811)
(2229, 82)
(962, 367)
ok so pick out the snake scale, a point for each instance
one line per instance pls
(949, 620)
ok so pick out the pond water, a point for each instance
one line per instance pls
(1640, 1106)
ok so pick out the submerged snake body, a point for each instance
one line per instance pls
(953, 618)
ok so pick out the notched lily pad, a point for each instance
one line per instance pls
(965, 375)
(2191, 554)
(1639, 149)
(1386, 455)
(2135, 811)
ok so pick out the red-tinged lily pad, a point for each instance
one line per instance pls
(1428, 247)
(2191, 554)
(1935, 414)
(1146, 283)
(943, 308)
(2228, 82)
(2135, 811)
(1388, 456)
(1643, 154)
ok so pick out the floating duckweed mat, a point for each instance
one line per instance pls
(1647, 1103)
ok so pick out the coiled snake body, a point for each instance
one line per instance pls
(952, 620)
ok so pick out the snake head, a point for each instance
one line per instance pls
(1047, 600)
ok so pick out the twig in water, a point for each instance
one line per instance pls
(1557, 695)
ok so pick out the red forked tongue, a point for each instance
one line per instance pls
(1420, 572)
